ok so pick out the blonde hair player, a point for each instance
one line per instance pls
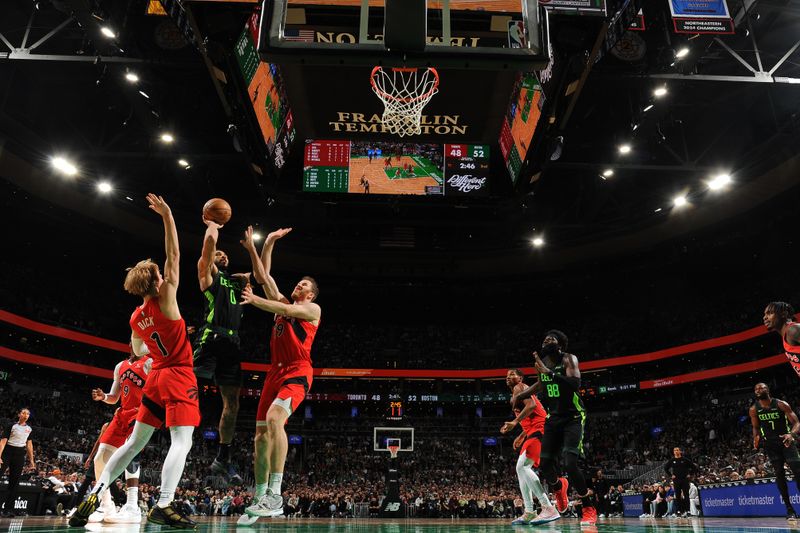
(290, 376)
(170, 394)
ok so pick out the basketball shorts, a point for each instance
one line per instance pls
(779, 454)
(532, 448)
(170, 398)
(120, 427)
(291, 385)
(217, 356)
(563, 434)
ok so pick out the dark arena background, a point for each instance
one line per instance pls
(624, 171)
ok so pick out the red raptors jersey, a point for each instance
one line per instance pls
(792, 353)
(166, 339)
(131, 382)
(290, 344)
(535, 421)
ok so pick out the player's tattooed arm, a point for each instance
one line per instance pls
(790, 437)
(793, 334)
(205, 265)
(756, 427)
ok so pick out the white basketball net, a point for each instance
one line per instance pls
(404, 92)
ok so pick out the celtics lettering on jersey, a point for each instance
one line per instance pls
(222, 302)
(560, 398)
(772, 421)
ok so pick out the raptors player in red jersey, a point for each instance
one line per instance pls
(130, 376)
(530, 415)
(170, 394)
(290, 375)
(779, 317)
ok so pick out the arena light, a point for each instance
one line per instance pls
(719, 182)
(104, 187)
(679, 201)
(635, 127)
(648, 107)
(659, 92)
(184, 163)
(607, 173)
(682, 52)
(167, 138)
(108, 32)
(144, 94)
(64, 166)
(657, 210)
(131, 77)
(257, 236)
(625, 148)
(538, 242)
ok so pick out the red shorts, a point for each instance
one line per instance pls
(120, 427)
(532, 448)
(170, 397)
(293, 384)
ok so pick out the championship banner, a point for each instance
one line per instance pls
(746, 499)
(701, 16)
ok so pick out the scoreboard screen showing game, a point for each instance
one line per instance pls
(363, 167)
(524, 112)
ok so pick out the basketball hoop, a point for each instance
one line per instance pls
(404, 92)
(393, 451)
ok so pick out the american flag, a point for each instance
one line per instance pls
(305, 36)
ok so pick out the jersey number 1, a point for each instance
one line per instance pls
(161, 348)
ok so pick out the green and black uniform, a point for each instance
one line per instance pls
(216, 350)
(563, 430)
(772, 423)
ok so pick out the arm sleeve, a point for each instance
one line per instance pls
(115, 386)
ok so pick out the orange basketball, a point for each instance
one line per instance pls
(217, 210)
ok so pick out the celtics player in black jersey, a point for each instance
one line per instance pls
(776, 427)
(217, 355)
(558, 385)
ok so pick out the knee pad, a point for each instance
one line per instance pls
(133, 469)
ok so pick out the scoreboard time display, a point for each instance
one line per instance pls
(466, 169)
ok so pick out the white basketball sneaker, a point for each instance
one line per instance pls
(267, 505)
(128, 514)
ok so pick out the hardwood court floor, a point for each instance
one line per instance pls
(379, 183)
(281, 525)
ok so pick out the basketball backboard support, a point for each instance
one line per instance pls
(458, 34)
(383, 437)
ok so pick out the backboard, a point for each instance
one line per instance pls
(466, 34)
(382, 437)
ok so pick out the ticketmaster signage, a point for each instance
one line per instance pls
(757, 499)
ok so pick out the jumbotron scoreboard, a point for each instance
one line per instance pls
(345, 166)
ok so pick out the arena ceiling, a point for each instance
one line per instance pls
(63, 91)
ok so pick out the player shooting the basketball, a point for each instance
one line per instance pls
(217, 352)
(290, 375)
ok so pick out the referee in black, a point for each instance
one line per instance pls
(13, 448)
(679, 468)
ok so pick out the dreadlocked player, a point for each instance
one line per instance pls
(771, 419)
(559, 381)
(778, 318)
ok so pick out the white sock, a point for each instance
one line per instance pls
(261, 489)
(133, 496)
(174, 462)
(275, 481)
(106, 502)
